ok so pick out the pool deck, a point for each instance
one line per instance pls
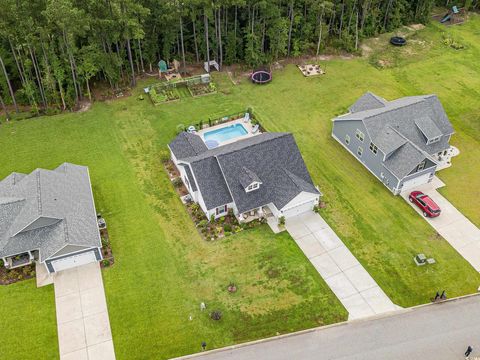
(247, 125)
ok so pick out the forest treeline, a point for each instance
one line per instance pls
(51, 50)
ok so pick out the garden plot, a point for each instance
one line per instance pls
(311, 70)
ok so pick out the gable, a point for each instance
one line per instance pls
(367, 101)
(68, 249)
(40, 222)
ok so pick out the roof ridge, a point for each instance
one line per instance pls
(394, 108)
(39, 194)
(280, 135)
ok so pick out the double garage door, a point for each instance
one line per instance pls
(419, 180)
(74, 261)
(299, 209)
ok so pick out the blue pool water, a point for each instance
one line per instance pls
(226, 133)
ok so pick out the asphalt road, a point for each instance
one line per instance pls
(440, 331)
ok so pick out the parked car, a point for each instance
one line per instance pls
(425, 203)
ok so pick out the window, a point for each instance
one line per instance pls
(373, 148)
(252, 187)
(221, 210)
(347, 139)
(421, 166)
(434, 140)
(359, 135)
(360, 151)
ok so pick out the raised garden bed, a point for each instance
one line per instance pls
(181, 88)
(311, 70)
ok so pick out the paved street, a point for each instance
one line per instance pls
(439, 332)
(82, 315)
(454, 227)
(348, 279)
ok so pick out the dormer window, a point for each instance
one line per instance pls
(433, 140)
(252, 186)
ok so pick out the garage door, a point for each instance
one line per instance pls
(419, 180)
(299, 209)
(73, 261)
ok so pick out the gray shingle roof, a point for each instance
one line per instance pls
(427, 126)
(272, 158)
(367, 101)
(187, 145)
(47, 210)
(247, 177)
(404, 160)
(191, 180)
(388, 140)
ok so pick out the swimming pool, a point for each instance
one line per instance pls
(225, 133)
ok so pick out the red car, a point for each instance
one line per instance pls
(427, 205)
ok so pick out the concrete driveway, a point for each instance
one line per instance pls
(351, 283)
(455, 228)
(82, 315)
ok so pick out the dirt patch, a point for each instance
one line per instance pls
(416, 27)
(84, 106)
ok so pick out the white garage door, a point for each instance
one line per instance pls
(299, 209)
(419, 180)
(73, 261)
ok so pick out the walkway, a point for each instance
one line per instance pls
(82, 315)
(437, 332)
(347, 278)
(455, 228)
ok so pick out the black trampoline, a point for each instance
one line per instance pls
(261, 77)
(398, 41)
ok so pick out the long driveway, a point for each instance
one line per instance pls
(437, 332)
(454, 227)
(348, 279)
(82, 316)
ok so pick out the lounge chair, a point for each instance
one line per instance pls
(255, 129)
(246, 118)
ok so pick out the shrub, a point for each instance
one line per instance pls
(177, 182)
(281, 220)
(106, 262)
(316, 209)
(212, 218)
(1, 263)
(216, 315)
(222, 219)
(227, 233)
(164, 156)
(203, 223)
(227, 227)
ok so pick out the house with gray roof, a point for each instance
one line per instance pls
(49, 216)
(401, 142)
(262, 174)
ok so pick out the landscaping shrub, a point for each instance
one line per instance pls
(216, 315)
(106, 262)
(177, 182)
(164, 156)
(281, 220)
(227, 227)
(203, 224)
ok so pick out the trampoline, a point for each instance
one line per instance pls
(398, 41)
(211, 144)
(261, 77)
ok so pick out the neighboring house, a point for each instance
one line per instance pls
(261, 175)
(49, 216)
(401, 142)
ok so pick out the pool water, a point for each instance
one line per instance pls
(226, 133)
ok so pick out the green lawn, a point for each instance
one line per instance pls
(163, 268)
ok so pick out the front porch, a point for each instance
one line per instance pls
(19, 260)
(262, 212)
(444, 158)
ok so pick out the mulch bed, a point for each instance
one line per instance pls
(108, 259)
(15, 275)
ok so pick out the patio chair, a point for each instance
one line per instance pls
(246, 118)
(255, 129)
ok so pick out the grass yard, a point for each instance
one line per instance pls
(164, 270)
